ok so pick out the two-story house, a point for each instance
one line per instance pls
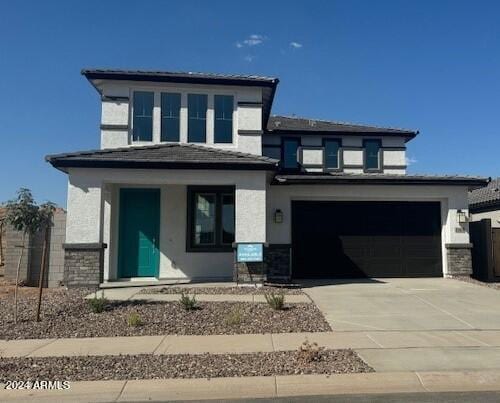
(192, 164)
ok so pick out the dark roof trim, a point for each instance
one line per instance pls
(378, 179)
(339, 133)
(131, 164)
(169, 156)
(179, 77)
(279, 125)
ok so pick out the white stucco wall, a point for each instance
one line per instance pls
(494, 216)
(119, 113)
(83, 221)
(452, 198)
(93, 215)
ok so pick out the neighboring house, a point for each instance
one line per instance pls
(485, 203)
(192, 163)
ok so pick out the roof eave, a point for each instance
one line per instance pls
(408, 135)
(470, 183)
(63, 164)
(151, 77)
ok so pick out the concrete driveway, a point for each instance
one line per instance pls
(406, 304)
(418, 324)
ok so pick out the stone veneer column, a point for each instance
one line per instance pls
(275, 267)
(278, 262)
(459, 259)
(83, 265)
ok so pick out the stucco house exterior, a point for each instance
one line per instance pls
(192, 165)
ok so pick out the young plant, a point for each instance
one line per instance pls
(310, 352)
(134, 319)
(189, 303)
(97, 305)
(275, 301)
(234, 318)
(25, 216)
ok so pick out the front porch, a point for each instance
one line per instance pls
(156, 226)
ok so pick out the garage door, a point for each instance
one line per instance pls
(359, 239)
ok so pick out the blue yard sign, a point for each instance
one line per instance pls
(250, 252)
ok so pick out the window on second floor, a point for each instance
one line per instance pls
(332, 153)
(170, 116)
(197, 118)
(289, 147)
(372, 155)
(143, 116)
(223, 128)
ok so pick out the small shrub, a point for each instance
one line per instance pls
(189, 303)
(97, 305)
(310, 352)
(275, 301)
(234, 318)
(134, 319)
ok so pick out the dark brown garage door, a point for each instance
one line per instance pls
(359, 239)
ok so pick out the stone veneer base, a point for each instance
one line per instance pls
(459, 259)
(83, 265)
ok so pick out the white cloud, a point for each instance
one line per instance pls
(295, 45)
(249, 58)
(410, 161)
(252, 40)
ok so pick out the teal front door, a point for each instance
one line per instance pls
(139, 230)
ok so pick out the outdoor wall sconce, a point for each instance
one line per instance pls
(462, 216)
(278, 216)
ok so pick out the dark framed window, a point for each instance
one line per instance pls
(372, 151)
(170, 116)
(332, 153)
(197, 118)
(223, 127)
(143, 116)
(211, 219)
(289, 149)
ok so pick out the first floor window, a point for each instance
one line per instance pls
(170, 116)
(143, 116)
(210, 218)
(332, 149)
(372, 154)
(197, 118)
(223, 126)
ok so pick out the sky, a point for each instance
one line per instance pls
(427, 65)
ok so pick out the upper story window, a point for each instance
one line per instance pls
(143, 116)
(197, 118)
(332, 153)
(372, 155)
(289, 147)
(170, 116)
(223, 128)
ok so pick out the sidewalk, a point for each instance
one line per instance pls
(384, 351)
(262, 387)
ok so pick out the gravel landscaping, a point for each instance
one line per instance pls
(147, 366)
(494, 285)
(66, 314)
(243, 290)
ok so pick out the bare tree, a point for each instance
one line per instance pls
(45, 213)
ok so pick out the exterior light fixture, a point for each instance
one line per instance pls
(278, 216)
(462, 216)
